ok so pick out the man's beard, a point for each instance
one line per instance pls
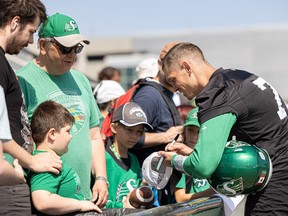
(13, 50)
(15, 46)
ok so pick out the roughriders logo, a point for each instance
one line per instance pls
(125, 188)
(71, 100)
(71, 26)
(232, 187)
(200, 182)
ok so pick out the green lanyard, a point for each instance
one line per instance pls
(113, 149)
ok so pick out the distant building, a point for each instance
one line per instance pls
(261, 50)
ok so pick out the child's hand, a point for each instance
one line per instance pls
(86, 205)
(126, 203)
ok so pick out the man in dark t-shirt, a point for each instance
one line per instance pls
(158, 115)
(161, 112)
(163, 115)
(19, 21)
(231, 102)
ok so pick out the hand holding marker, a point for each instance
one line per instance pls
(162, 157)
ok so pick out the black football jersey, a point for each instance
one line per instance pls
(261, 120)
(261, 113)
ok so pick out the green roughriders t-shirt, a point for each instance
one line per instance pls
(73, 90)
(121, 180)
(197, 185)
(66, 183)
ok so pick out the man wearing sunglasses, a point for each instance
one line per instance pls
(50, 77)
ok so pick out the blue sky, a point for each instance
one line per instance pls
(107, 18)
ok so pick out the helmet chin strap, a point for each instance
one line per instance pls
(233, 206)
(240, 208)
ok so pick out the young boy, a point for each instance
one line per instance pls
(55, 194)
(189, 188)
(123, 168)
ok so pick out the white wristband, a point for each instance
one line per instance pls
(178, 163)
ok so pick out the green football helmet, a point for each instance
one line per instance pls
(243, 169)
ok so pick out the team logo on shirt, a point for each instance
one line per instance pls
(200, 182)
(124, 188)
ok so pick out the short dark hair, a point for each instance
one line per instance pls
(49, 114)
(180, 50)
(107, 73)
(27, 10)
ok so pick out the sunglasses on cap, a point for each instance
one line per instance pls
(66, 50)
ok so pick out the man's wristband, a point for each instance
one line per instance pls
(102, 179)
(177, 162)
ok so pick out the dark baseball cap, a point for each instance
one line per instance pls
(131, 114)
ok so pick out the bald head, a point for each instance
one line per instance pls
(166, 48)
(160, 76)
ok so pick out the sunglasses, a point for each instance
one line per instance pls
(66, 50)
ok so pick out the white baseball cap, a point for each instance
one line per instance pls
(107, 90)
(146, 68)
(154, 178)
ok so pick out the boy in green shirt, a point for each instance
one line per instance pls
(189, 188)
(123, 168)
(55, 194)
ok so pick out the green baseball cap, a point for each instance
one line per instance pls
(62, 28)
(192, 118)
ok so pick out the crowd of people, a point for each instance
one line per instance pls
(53, 157)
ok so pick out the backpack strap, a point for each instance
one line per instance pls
(128, 96)
(175, 114)
(105, 129)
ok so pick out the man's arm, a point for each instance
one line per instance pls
(208, 151)
(100, 187)
(160, 138)
(46, 162)
(8, 174)
(152, 109)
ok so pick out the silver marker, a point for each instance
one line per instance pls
(162, 157)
